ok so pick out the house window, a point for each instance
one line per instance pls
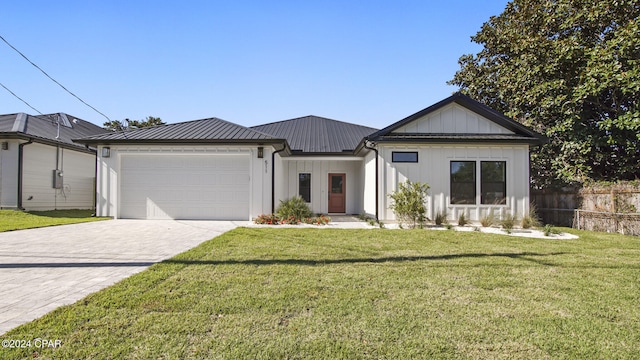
(493, 184)
(404, 156)
(463, 182)
(304, 186)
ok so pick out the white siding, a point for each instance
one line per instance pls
(78, 171)
(369, 189)
(433, 168)
(287, 182)
(453, 119)
(9, 175)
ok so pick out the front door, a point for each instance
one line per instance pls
(336, 193)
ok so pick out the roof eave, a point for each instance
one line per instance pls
(532, 141)
(40, 140)
(179, 141)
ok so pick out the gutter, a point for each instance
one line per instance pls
(377, 179)
(273, 178)
(20, 170)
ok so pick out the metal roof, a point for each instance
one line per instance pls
(314, 134)
(205, 130)
(57, 128)
(522, 133)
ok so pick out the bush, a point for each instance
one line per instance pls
(531, 220)
(508, 221)
(295, 207)
(408, 203)
(488, 220)
(441, 218)
(267, 219)
(462, 219)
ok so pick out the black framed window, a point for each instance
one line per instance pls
(493, 184)
(304, 186)
(404, 156)
(463, 182)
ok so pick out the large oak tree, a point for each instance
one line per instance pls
(571, 70)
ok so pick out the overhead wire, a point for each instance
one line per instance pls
(52, 79)
(21, 99)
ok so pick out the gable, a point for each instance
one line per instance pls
(452, 119)
(458, 118)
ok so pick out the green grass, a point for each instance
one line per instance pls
(18, 220)
(359, 294)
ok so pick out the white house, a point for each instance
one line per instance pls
(41, 168)
(474, 158)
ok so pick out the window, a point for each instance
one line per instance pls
(404, 156)
(304, 186)
(463, 182)
(493, 187)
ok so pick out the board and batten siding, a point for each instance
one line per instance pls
(287, 176)
(109, 172)
(453, 119)
(433, 168)
(78, 173)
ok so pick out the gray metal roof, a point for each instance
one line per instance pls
(314, 134)
(50, 128)
(205, 130)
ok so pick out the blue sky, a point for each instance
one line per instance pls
(249, 62)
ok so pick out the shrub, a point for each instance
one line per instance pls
(295, 207)
(267, 219)
(508, 221)
(441, 218)
(488, 219)
(531, 220)
(462, 219)
(408, 203)
(549, 230)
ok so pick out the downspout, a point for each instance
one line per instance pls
(20, 170)
(377, 181)
(273, 178)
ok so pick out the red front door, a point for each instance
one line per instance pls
(336, 193)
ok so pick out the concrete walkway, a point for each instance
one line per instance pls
(42, 269)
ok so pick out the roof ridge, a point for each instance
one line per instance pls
(313, 116)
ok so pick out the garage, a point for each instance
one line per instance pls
(168, 186)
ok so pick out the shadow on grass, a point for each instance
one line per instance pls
(521, 256)
(75, 265)
(64, 213)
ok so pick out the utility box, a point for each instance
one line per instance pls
(57, 179)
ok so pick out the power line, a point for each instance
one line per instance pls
(52, 79)
(19, 98)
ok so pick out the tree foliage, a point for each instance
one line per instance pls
(570, 69)
(121, 125)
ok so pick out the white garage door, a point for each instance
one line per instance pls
(213, 187)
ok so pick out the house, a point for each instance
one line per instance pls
(41, 168)
(475, 159)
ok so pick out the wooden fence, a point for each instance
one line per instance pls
(597, 209)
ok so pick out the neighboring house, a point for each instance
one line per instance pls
(475, 160)
(41, 168)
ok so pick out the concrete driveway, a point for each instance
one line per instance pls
(42, 269)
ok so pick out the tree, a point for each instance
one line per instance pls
(120, 125)
(571, 70)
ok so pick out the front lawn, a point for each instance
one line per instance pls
(17, 220)
(355, 294)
